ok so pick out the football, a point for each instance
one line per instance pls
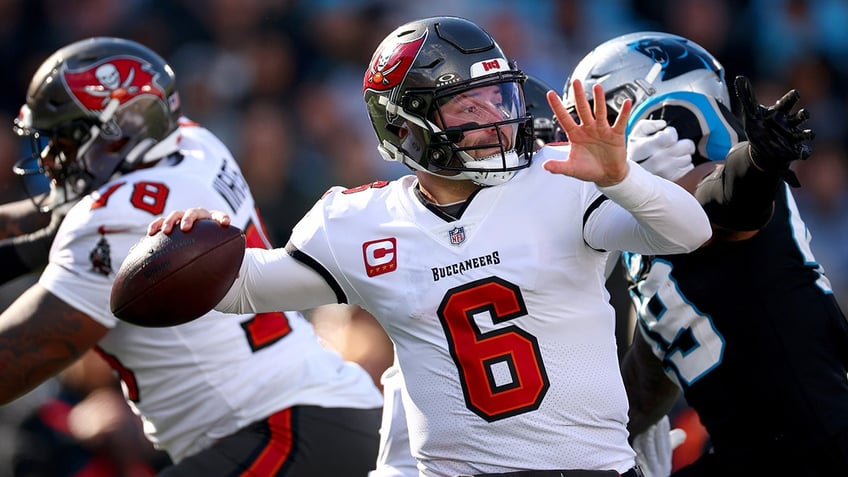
(168, 280)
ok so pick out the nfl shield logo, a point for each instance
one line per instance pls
(457, 235)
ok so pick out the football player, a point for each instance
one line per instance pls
(394, 458)
(222, 396)
(485, 268)
(746, 326)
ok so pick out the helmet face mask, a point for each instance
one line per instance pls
(666, 77)
(479, 125)
(93, 109)
(444, 100)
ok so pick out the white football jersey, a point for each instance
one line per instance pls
(394, 458)
(500, 319)
(203, 380)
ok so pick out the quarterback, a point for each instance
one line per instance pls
(486, 268)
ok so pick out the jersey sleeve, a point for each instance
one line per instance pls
(87, 252)
(300, 276)
(310, 244)
(646, 214)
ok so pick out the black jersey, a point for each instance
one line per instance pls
(752, 334)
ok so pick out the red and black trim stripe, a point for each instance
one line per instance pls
(276, 455)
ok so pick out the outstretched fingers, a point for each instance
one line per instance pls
(798, 118)
(746, 96)
(565, 120)
(581, 104)
(787, 102)
(600, 102)
(620, 125)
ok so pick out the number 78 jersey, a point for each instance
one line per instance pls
(500, 319)
(208, 378)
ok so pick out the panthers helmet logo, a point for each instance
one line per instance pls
(677, 56)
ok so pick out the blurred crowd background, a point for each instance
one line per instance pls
(280, 82)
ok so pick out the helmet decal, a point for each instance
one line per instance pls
(117, 78)
(391, 62)
(677, 56)
(487, 67)
(112, 98)
(696, 116)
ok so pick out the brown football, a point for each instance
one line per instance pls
(172, 279)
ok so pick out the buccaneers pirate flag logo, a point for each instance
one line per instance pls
(122, 78)
(390, 63)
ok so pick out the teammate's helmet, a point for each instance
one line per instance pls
(666, 77)
(421, 66)
(93, 109)
(535, 95)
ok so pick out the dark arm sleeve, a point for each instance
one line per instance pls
(27, 253)
(650, 392)
(13, 266)
(739, 195)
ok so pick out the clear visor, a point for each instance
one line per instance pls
(483, 120)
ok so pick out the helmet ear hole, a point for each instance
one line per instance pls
(437, 155)
(415, 104)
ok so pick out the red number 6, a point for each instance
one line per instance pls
(521, 381)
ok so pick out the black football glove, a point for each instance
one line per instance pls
(774, 133)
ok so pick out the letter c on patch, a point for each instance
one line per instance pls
(380, 256)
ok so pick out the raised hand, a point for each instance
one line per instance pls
(597, 149)
(775, 133)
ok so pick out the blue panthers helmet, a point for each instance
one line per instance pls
(666, 77)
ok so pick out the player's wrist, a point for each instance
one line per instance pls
(633, 190)
(616, 177)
